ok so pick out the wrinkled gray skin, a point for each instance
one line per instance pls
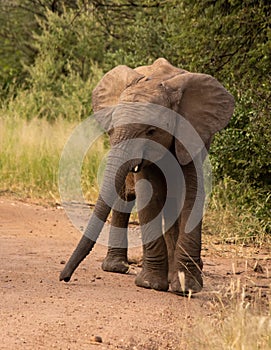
(125, 100)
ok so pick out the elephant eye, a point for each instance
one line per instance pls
(150, 131)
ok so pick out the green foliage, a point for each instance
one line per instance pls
(18, 22)
(222, 37)
(242, 151)
(238, 211)
(64, 73)
(67, 44)
(144, 38)
(72, 102)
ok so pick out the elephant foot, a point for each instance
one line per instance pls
(188, 279)
(152, 281)
(116, 261)
(115, 265)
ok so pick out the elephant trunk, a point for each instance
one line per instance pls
(117, 168)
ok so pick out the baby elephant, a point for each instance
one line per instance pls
(160, 120)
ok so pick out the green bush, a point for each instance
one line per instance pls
(64, 73)
(241, 153)
(72, 101)
(242, 150)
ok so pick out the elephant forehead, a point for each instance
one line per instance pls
(147, 90)
(144, 113)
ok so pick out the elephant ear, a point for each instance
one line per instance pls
(204, 106)
(106, 94)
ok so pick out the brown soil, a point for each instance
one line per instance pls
(99, 310)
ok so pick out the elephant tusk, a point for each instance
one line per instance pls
(136, 168)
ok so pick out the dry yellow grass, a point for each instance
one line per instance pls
(234, 322)
(29, 158)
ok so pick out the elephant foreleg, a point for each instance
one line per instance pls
(154, 273)
(187, 261)
(171, 233)
(116, 259)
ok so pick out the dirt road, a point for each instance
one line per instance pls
(96, 310)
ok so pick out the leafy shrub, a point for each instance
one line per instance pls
(242, 150)
(64, 74)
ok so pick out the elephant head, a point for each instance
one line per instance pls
(158, 104)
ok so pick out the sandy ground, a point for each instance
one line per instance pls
(99, 310)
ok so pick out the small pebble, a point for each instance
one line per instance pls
(258, 268)
(96, 339)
